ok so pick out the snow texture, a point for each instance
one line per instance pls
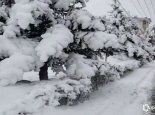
(54, 41)
(108, 100)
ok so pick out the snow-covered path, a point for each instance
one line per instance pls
(122, 97)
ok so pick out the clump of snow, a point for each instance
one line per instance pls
(86, 20)
(54, 41)
(100, 40)
(25, 12)
(18, 56)
(13, 68)
(97, 25)
(79, 67)
(7, 48)
(21, 14)
(123, 63)
(65, 4)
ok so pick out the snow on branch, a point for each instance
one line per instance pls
(79, 67)
(25, 12)
(86, 20)
(54, 41)
(65, 4)
(99, 40)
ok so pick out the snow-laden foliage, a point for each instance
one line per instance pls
(33, 19)
(100, 40)
(24, 13)
(61, 92)
(129, 35)
(150, 33)
(80, 68)
(123, 63)
(38, 34)
(65, 4)
(54, 41)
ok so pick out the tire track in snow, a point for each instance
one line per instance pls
(134, 94)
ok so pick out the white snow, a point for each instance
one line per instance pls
(23, 13)
(11, 72)
(19, 57)
(123, 62)
(99, 40)
(79, 67)
(54, 41)
(11, 94)
(123, 97)
(65, 4)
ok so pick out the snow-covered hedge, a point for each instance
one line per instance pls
(123, 63)
(75, 87)
(70, 89)
(63, 92)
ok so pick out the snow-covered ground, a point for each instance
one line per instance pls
(122, 97)
(11, 94)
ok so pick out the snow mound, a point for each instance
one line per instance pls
(13, 68)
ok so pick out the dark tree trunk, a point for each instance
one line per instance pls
(43, 73)
(106, 56)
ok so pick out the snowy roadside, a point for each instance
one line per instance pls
(122, 97)
(11, 94)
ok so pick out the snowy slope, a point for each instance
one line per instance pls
(123, 97)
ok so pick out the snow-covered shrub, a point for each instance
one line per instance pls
(57, 31)
(130, 37)
(23, 20)
(39, 34)
(17, 56)
(106, 73)
(65, 92)
(123, 63)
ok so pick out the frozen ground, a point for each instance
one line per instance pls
(122, 97)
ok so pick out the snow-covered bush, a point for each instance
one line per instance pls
(59, 34)
(44, 33)
(37, 20)
(123, 63)
(51, 93)
(129, 35)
